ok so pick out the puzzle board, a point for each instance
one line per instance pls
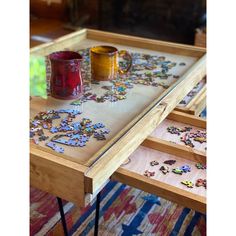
(140, 161)
(114, 115)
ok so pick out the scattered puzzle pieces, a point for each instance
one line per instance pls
(187, 136)
(189, 184)
(54, 130)
(169, 162)
(148, 173)
(201, 182)
(55, 147)
(186, 140)
(154, 163)
(200, 166)
(177, 171)
(165, 169)
(185, 168)
(200, 139)
(147, 70)
(174, 130)
(68, 132)
(43, 138)
(76, 103)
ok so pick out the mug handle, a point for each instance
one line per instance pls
(123, 53)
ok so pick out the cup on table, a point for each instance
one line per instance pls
(104, 62)
(65, 80)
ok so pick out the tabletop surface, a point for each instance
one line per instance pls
(114, 115)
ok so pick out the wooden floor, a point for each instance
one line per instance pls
(45, 30)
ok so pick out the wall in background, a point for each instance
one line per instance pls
(51, 9)
(170, 20)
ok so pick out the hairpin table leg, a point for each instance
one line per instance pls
(97, 214)
(63, 219)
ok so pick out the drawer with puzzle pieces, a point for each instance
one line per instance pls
(77, 145)
(171, 162)
(195, 101)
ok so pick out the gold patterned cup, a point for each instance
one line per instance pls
(104, 62)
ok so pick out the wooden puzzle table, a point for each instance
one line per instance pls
(78, 174)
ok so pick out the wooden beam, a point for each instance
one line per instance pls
(200, 104)
(151, 44)
(175, 149)
(187, 119)
(167, 191)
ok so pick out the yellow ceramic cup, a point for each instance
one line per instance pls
(104, 62)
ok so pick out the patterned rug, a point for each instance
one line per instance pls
(124, 211)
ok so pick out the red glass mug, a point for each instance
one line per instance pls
(65, 80)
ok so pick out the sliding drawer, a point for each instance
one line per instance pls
(180, 120)
(160, 148)
(195, 101)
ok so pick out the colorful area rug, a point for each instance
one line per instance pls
(124, 211)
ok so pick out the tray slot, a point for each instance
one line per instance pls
(180, 120)
(200, 103)
(187, 119)
(161, 189)
(175, 149)
(197, 104)
(167, 186)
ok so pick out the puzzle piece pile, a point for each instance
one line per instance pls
(177, 170)
(187, 136)
(146, 70)
(69, 132)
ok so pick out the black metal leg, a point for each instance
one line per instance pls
(97, 214)
(63, 219)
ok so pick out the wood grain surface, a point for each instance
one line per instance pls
(168, 186)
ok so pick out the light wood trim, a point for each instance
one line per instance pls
(75, 37)
(185, 110)
(196, 105)
(151, 44)
(195, 98)
(61, 43)
(175, 149)
(90, 197)
(161, 189)
(57, 176)
(199, 105)
(187, 119)
(109, 161)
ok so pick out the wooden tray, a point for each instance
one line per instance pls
(159, 146)
(76, 175)
(194, 104)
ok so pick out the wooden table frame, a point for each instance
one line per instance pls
(80, 183)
